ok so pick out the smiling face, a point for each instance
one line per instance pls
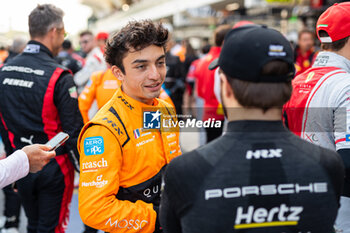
(144, 74)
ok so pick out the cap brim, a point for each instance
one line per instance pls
(214, 64)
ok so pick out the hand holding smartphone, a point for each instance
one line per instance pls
(58, 140)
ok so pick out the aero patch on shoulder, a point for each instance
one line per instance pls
(94, 146)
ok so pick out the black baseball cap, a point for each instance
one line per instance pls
(248, 48)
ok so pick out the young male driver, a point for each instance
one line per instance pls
(258, 176)
(121, 163)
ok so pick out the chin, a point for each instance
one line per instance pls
(153, 95)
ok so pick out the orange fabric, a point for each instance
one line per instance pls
(164, 96)
(181, 54)
(127, 159)
(101, 86)
(3, 55)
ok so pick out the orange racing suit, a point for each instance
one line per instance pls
(121, 166)
(101, 86)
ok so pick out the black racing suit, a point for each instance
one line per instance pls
(258, 177)
(38, 100)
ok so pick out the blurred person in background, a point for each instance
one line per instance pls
(174, 83)
(3, 53)
(318, 110)
(205, 83)
(190, 57)
(304, 53)
(16, 48)
(66, 59)
(94, 60)
(101, 39)
(38, 100)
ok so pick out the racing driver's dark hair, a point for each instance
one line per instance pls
(135, 36)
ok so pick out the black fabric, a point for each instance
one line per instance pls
(148, 191)
(66, 60)
(256, 173)
(213, 133)
(42, 200)
(175, 80)
(21, 108)
(12, 207)
(24, 85)
(345, 155)
(88, 229)
(241, 42)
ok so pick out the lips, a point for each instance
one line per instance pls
(154, 86)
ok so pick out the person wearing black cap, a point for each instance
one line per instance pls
(258, 176)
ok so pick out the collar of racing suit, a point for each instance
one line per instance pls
(43, 48)
(134, 105)
(331, 59)
(257, 127)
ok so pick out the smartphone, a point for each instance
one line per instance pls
(58, 140)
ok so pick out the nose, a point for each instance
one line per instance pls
(154, 73)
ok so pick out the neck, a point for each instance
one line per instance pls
(342, 53)
(142, 100)
(236, 114)
(43, 41)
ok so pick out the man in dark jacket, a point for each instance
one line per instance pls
(258, 176)
(38, 100)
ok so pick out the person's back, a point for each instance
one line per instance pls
(39, 99)
(258, 176)
(318, 110)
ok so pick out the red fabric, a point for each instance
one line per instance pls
(102, 36)
(335, 21)
(302, 61)
(52, 126)
(49, 113)
(340, 140)
(303, 86)
(11, 136)
(68, 172)
(205, 84)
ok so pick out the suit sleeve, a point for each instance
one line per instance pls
(87, 97)
(99, 185)
(13, 168)
(169, 220)
(65, 99)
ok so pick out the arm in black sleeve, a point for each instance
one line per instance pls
(66, 101)
(345, 155)
(168, 218)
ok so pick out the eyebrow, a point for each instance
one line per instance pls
(145, 61)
